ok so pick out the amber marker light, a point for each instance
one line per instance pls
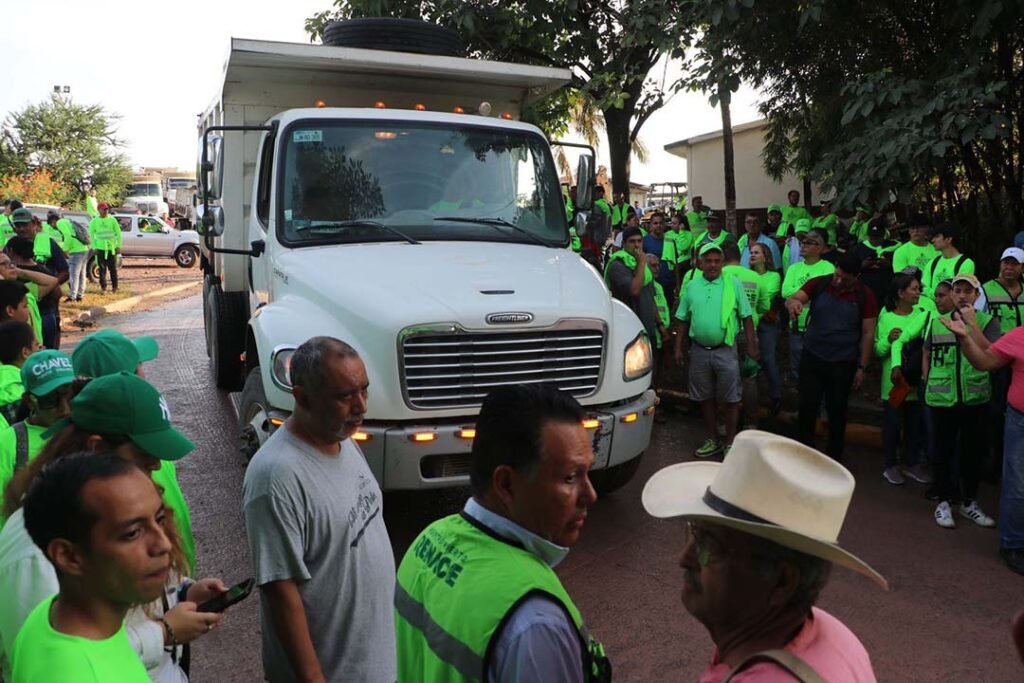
(320, 104)
(379, 104)
(459, 110)
(419, 107)
(423, 437)
(467, 433)
(630, 417)
(505, 115)
(591, 423)
(361, 436)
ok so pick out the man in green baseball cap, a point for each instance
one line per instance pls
(109, 351)
(125, 405)
(47, 378)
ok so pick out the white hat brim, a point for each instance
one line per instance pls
(678, 491)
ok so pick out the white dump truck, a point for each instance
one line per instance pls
(394, 201)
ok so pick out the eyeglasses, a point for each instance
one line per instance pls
(709, 548)
(813, 243)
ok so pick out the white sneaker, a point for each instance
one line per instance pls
(973, 512)
(944, 516)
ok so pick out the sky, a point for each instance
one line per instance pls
(158, 66)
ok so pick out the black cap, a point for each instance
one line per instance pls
(849, 263)
(876, 228)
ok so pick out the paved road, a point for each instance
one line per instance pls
(946, 618)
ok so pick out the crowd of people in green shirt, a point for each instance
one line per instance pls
(862, 291)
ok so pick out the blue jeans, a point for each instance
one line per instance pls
(1011, 499)
(796, 349)
(76, 281)
(768, 343)
(909, 417)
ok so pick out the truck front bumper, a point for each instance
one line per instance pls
(437, 455)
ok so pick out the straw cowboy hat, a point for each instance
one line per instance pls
(768, 486)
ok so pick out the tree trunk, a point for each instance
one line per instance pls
(616, 123)
(730, 162)
(807, 193)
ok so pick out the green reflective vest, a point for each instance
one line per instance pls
(661, 303)
(630, 261)
(887, 247)
(952, 380)
(684, 244)
(859, 230)
(1009, 309)
(456, 585)
(42, 247)
(105, 234)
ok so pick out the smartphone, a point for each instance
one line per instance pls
(233, 595)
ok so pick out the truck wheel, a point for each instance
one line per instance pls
(614, 478)
(253, 416)
(186, 256)
(397, 35)
(93, 270)
(228, 314)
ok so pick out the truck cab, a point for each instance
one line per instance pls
(432, 240)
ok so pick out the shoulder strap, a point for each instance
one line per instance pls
(932, 266)
(800, 669)
(959, 264)
(20, 445)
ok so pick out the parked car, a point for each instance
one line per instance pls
(149, 236)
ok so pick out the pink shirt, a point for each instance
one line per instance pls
(1010, 347)
(824, 643)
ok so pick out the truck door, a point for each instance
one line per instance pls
(260, 267)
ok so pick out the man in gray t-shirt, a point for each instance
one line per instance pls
(314, 518)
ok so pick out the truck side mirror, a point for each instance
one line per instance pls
(211, 222)
(585, 177)
(211, 175)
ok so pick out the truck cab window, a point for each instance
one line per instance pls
(263, 187)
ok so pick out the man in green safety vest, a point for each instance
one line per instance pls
(714, 234)
(712, 310)
(477, 598)
(958, 396)
(47, 378)
(697, 217)
(105, 234)
(620, 209)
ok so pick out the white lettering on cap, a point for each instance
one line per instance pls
(165, 411)
(53, 364)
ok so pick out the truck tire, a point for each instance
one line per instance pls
(614, 478)
(398, 35)
(226, 316)
(186, 256)
(253, 418)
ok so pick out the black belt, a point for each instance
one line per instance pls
(711, 348)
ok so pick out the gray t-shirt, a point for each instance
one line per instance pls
(318, 520)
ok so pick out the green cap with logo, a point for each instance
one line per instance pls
(710, 246)
(46, 371)
(21, 215)
(109, 351)
(774, 207)
(802, 225)
(126, 404)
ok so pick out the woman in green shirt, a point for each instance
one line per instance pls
(769, 300)
(901, 320)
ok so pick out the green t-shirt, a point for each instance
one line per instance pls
(684, 244)
(750, 281)
(167, 479)
(859, 230)
(698, 221)
(910, 254)
(830, 223)
(910, 326)
(791, 214)
(8, 453)
(797, 275)
(92, 206)
(42, 654)
(768, 288)
(941, 268)
(701, 306)
(11, 390)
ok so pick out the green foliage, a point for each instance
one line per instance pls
(75, 143)
(610, 48)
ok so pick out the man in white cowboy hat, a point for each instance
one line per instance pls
(761, 540)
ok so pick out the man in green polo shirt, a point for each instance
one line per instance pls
(46, 377)
(712, 309)
(99, 519)
(109, 352)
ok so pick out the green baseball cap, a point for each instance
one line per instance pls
(803, 225)
(21, 215)
(864, 209)
(46, 371)
(774, 207)
(710, 246)
(109, 351)
(124, 403)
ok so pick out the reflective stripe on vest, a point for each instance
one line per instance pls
(1003, 305)
(952, 380)
(457, 585)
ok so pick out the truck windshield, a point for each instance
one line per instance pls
(144, 190)
(344, 180)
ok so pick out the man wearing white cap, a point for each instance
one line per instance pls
(761, 539)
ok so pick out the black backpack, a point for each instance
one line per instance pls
(956, 266)
(913, 352)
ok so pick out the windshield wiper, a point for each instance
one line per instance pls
(495, 223)
(359, 223)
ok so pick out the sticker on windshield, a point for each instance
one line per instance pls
(308, 136)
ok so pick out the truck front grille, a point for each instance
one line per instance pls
(458, 369)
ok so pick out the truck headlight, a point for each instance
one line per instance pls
(639, 358)
(281, 365)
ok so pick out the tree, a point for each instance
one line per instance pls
(878, 100)
(36, 187)
(610, 47)
(76, 144)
